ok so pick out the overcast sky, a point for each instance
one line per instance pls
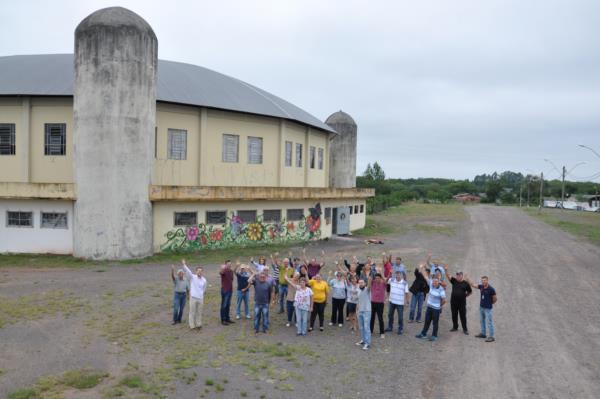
(437, 88)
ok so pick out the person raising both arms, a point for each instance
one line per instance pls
(303, 302)
(338, 298)
(488, 299)
(398, 297)
(435, 301)
(198, 286)
(283, 267)
(352, 291)
(419, 289)
(377, 302)
(181, 286)
(243, 289)
(313, 266)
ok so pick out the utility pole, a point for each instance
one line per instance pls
(562, 201)
(528, 189)
(520, 195)
(541, 192)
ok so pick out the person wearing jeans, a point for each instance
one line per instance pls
(181, 287)
(437, 298)
(263, 292)
(303, 302)
(377, 303)
(364, 313)
(226, 292)
(290, 299)
(338, 299)
(488, 299)
(243, 290)
(419, 290)
(398, 297)
(284, 269)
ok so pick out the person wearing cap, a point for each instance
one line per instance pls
(458, 300)
(488, 299)
(398, 297)
(180, 290)
(435, 301)
(263, 296)
(242, 275)
(198, 286)
(338, 298)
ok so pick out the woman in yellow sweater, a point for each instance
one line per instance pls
(320, 290)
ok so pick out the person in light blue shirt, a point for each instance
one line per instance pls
(398, 266)
(435, 267)
(435, 301)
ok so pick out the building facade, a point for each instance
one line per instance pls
(228, 164)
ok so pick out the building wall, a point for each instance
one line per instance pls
(167, 236)
(11, 167)
(36, 239)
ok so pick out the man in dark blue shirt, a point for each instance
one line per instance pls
(488, 299)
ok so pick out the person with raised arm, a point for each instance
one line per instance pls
(435, 301)
(364, 313)
(338, 287)
(242, 273)
(377, 302)
(226, 292)
(320, 290)
(260, 265)
(352, 292)
(461, 290)
(303, 302)
(486, 303)
(434, 267)
(419, 289)
(398, 297)
(283, 268)
(198, 286)
(263, 298)
(313, 266)
(181, 286)
(291, 296)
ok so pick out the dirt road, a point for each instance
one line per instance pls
(117, 319)
(547, 316)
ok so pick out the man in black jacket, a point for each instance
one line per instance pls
(461, 289)
(419, 290)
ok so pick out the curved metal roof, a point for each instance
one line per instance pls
(53, 75)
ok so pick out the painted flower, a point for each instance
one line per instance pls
(271, 233)
(313, 224)
(203, 240)
(192, 233)
(216, 235)
(254, 231)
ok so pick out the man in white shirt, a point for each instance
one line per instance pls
(398, 297)
(197, 289)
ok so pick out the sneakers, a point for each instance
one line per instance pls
(453, 329)
(321, 329)
(382, 336)
(237, 316)
(365, 347)
(330, 323)
(400, 332)
(480, 335)
(421, 336)
(411, 321)
(287, 324)
(419, 321)
(466, 332)
(490, 339)
(432, 338)
(340, 325)
(360, 343)
(389, 329)
(248, 317)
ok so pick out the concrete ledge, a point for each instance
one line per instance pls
(221, 193)
(63, 191)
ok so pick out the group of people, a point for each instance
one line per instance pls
(301, 288)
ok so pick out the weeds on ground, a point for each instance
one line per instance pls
(54, 386)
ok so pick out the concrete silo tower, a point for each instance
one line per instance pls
(342, 151)
(114, 113)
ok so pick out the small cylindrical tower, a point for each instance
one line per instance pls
(342, 151)
(114, 111)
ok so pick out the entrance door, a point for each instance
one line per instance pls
(334, 221)
(343, 220)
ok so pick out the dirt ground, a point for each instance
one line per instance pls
(117, 320)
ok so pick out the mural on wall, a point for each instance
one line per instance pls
(237, 233)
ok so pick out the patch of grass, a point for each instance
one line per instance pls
(219, 388)
(24, 393)
(209, 382)
(581, 224)
(82, 379)
(243, 394)
(375, 226)
(132, 381)
(32, 307)
(434, 229)
(45, 260)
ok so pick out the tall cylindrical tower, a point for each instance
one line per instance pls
(342, 151)
(114, 115)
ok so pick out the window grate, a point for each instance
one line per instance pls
(19, 219)
(295, 215)
(288, 153)
(54, 220)
(255, 150)
(185, 218)
(247, 216)
(55, 142)
(298, 155)
(177, 144)
(216, 217)
(321, 156)
(7, 139)
(312, 157)
(272, 215)
(230, 147)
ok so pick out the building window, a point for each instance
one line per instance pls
(19, 219)
(272, 215)
(255, 150)
(7, 139)
(185, 219)
(294, 215)
(312, 157)
(351, 207)
(230, 147)
(216, 217)
(298, 155)
(177, 145)
(321, 158)
(247, 216)
(355, 208)
(362, 209)
(54, 220)
(327, 215)
(288, 153)
(55, 141)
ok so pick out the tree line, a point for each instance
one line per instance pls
(506, 187)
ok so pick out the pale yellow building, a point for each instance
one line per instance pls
(233, 165)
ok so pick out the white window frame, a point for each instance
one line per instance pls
(299, 150)
(19, 226)
(289, 150)
(321, 158)
(49, 147)
(215, 211)
(184, 225)
(9, 143)
(235, 139)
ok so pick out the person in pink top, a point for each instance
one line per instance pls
(377, 300)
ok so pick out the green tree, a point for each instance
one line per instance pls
(378, 173)
(368, 173)
(492, 190)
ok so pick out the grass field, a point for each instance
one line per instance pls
(427, 218)
(581, 224)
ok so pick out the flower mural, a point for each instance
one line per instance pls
(237, 233)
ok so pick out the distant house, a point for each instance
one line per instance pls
(467, 198)
(593, 200)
